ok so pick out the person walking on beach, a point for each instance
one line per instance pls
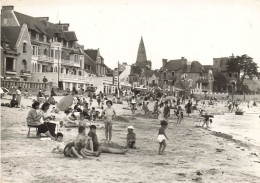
(133, 105)
(188, 107)
(162, 137)
(166, 111)
(109, 115)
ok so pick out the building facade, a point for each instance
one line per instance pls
(189, 76)
(51, 50)
(16, 55)
(98, 67)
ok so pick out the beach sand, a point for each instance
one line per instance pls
(192, 155)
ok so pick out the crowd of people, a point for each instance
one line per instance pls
(45, 108)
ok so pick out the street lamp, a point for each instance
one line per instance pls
(184, 76)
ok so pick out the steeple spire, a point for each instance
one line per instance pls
(141, 55)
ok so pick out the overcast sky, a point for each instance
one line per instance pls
(197, 30)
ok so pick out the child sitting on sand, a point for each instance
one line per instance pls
(162, 137)
(93, 135)
(131, 138)
(59, 146)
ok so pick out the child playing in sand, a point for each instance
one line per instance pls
(59, 146)
(162, 137)
(82, 121)
(131, 138)
(67, 120)
(109, 114)
(93, 114)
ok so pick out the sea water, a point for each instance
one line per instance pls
(245, 128)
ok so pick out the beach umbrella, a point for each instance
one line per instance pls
(65, 103)
(5, 89)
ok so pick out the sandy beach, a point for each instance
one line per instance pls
(193, 154)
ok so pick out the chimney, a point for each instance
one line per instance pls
(64, 26)
(46, 19)
(164, 61)
(182, 58)
(8, 8)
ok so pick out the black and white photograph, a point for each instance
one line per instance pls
(130, 91)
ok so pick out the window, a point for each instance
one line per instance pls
(34, 50)
(230, 74)
(24, 65)
(9, 64)
(44, 38)
(172, 73)
(164, 74)
(45, 51)
(24, 47)
(61, 70)
(52, 52)
(56, 54)
(37, 36)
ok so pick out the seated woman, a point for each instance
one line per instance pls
(51, 100)
(34, 119)
(47, 119)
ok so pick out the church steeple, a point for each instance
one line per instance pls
(141, 55)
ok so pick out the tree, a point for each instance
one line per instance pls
(245, 67)
(220, 82)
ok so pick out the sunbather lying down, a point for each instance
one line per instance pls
(112, 147)
(70, 150)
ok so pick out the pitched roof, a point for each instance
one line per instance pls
(195, 67)
(70, 36)
(44, 27)
(38, 25)
(89, 60)
(175, 65)
(92, 53)
(11, 34)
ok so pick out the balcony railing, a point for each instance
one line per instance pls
(70, 63)
(45, 58)
(25, 73)
(11, 72)
(76, 77)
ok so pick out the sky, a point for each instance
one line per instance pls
(197, 30)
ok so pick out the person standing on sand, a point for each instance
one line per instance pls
(162, 137)
(18, 96)
(188, 107)
(109, 115)
(166, 111)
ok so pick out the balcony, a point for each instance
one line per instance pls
(70, 63)
(25, 73)
(76, 78)
(12, 72)
(44, 58)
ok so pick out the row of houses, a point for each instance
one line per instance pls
(32, 48)
(178, 75)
